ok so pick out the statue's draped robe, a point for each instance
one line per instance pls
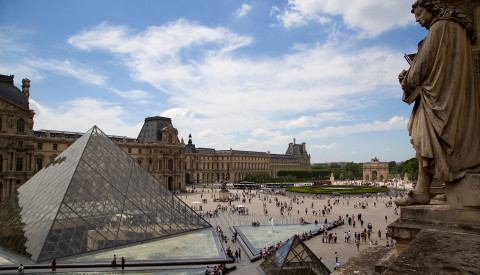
(445, 122)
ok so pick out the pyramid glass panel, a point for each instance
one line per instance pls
(91, 197)
(294, 257)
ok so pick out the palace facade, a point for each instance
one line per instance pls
(24, 151)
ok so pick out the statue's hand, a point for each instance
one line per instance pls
(401, 78)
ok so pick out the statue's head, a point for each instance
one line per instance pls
(426, 11)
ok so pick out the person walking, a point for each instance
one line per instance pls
(54, 265)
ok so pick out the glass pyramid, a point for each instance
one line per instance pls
(294, 257)
(93, 196)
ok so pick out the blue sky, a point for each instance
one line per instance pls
(247, 75)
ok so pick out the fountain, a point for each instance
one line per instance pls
(271, 228)
(258, 237)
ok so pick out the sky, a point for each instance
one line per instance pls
(246, 75)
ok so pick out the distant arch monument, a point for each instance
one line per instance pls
(375, 170)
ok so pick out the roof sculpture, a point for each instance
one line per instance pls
(294, 257)
(93, 196)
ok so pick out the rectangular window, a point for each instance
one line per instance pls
(39, 164)
(39, 146)
(129, 150)
(19, 164)
(55, 146)
(139, 150)
(19, 144)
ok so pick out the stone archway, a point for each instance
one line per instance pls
(375, 170)
(374, 175)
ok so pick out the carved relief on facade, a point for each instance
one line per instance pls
(10, 121)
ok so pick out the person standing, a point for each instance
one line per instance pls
(239, 254)
(54, 265)
(114, 261)
(123, 263)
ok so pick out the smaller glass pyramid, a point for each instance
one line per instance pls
(294, 257)
(93, 196)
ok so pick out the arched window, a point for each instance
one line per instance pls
(20, 125)
(169, 138)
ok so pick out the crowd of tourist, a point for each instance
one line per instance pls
(295, 205)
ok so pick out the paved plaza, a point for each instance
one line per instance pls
(347, 205)
(375, 210)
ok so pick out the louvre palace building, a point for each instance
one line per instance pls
(158, 149)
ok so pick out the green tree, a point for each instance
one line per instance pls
(392, 166)
(257, 177)
(411, 168)
(354, 170)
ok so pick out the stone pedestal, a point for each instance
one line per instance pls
(223, 194)
(441, 237)
(465, 193)
(429, 239)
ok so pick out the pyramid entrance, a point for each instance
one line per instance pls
(93, 196)
(294, 257)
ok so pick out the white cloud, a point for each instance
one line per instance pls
(370, 17)
(69, 68)
(243, 10)
(83, 113)
(265, 133)
(138, 96)
(314, 121)
(221, 97)
(377, 126)
(332, 145)
(207, 133)
(34, 69)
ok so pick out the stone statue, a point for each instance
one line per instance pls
(223, 185)
(444, 125)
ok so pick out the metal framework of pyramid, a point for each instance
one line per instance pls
(93, 196)
(294, 257)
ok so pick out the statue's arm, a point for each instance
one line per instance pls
(422, 66)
